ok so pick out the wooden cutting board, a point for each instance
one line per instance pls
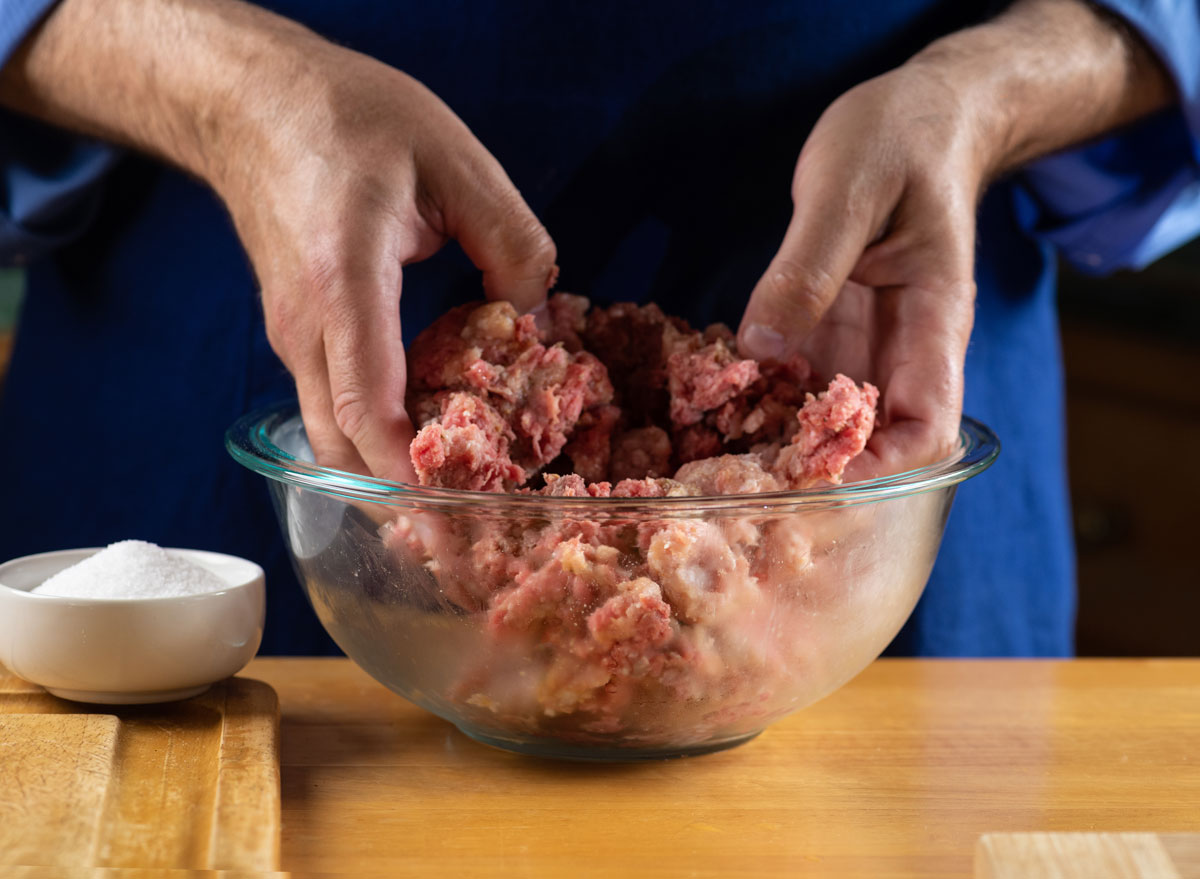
(182, 785)
(1088, 856)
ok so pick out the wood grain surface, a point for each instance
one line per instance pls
(898, 774)
(191, 784)
(1088, 856)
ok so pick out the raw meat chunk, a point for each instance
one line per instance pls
(467, 446)
(539, 392)
(706, 379)
(565, 320)
(590, 446)
(834, 428)
(695, 566)
(728, 474)
(642, 452)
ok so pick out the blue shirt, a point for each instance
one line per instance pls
(141, 338)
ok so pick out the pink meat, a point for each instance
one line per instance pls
(631, 625)
(639, 453)
(565, 320)
(588, 617)
(467, 446)
(703, 380)
(590, 446)
(540, 392)
(633, 488)
(695, 567)
(834, 428)
(728, 474)
(696, 442)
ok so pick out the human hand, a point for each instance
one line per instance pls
(361, 171)
(874, 277)
(338, 171)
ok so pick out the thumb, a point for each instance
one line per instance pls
(502, 236)
(819, 251)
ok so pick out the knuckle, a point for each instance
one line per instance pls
(322, 269)
(523, 240)
(541, 250)
(803, 292)
(351, 412)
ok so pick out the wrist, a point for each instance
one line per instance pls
(245, 82)
(244, 122)
(1046, 75)
(988, 127)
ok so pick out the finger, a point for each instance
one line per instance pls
(828, 232)
(367, 370)
(296, 338)
(922, 364)
(331, 447)
(500, 234)
(924, 325)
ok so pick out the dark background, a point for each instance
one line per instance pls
(1132, 349)
(1131, 344)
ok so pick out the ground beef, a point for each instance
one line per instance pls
(466, 446)
(641, 452)
(623, 392)
(591, 618)
(834, 428)
(704, 380)
(538, 393)
(589, 450)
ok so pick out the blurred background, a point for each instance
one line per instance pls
(1132, 349)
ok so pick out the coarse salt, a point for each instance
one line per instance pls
(132, 569)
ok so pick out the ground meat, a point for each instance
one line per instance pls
(590, 617)
(466, 446)
(641, 452)
(834, 428)
(636, 343)
(589, 449)
(728, 474)
(695, 565)
(704, 380)
(540, 392)
(697, 441)
(565, 319)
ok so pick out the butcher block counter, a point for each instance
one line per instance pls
(900, 773)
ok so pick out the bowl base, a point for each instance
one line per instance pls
(553, 750)
(144, 698)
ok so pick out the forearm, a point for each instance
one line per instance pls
(169, 77)
(1046, 75)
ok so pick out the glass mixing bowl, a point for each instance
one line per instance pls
(607, 629)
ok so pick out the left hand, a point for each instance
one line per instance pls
(875, 274)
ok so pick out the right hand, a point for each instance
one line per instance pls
(346, 171)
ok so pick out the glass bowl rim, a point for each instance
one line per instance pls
(249, 441)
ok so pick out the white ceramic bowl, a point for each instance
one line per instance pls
(125, 651)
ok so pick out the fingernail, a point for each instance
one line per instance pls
(762, 343)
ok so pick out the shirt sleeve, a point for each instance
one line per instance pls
(1127, 199)
(50, 180)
